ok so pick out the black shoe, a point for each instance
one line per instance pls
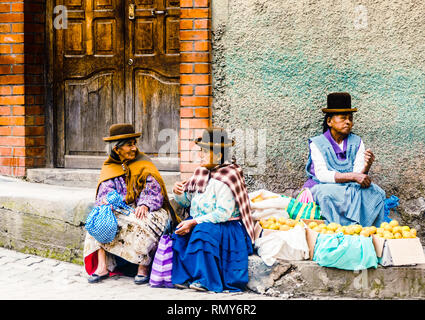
(94, 278)
(141, 279)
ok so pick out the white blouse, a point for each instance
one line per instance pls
(321, 170)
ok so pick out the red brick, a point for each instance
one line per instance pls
(18, 48)
(18, 69)
(8, 100)
(187, 101)
(192, 35)
(4, 7)
(18, 7)
(193, 13)
(186, 134)
(186, 90)
(188, 167)
(184, 24)
(12, 141)
(186, 68)
(18, 111)
(5, 69)
(19, 152)
(195, 57)
(4, 28)
(203, 90)
(186, 112)
(202, 112)
(5, 131)
(19, 28)
(186, 46)
(12, 59)
(5, 111)
(201, 3)
(5, 151)
(202, 24)
(13, 121)
(186, 3)
(18, 89)
(195, 79)
(5, 90)
(202, 68)
(202, 46)
(11, 38)
(199, 123)
(5, 48)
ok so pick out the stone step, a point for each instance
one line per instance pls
(84, 178)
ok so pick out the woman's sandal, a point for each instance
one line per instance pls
(182, 285)
(139, 279)
(94, 278)
(197, 286)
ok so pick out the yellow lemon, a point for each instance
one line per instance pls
(272, 219)
(284, 228)
(405, 228)
(281, 220)
(300, 223)
(290, 222)
(274, 226)
(413, 232)
(332, 226)
(312, 225)
(407, 234)
(317, 229)
(389, 228)
(388, 235)
(383, 224)
(397, 229)
(372, 229)
(364, 233)
(349, 230)
(357, 228)
(393, 223)
(397, 235)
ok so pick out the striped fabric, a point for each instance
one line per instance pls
(299, 210)
(232, 176)
(162, 264)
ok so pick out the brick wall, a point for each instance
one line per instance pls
(22, 133)
(195, 78)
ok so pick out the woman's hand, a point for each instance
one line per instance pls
(185, 227)
(141, 212)
(362, 179)
(369, 158)
(178, 188)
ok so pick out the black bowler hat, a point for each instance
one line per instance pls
(339, 102)
(214, 137)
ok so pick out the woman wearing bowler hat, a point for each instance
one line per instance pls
(211, 247)
(132, 174)
(338, 169)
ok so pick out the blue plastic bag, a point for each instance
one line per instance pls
(345, 252)
(389, 204)
(101, 223)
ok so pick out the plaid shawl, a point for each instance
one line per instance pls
(232, 176)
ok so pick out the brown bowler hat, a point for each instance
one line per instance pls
(120, 131)
(214, 137)
(339, 102)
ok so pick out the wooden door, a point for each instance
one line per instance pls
(96, 84)
(152, 75)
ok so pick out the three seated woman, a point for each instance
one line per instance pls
(211, 247)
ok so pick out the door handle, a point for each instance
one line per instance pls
(158, 12)
(130, 62)
(131, 9)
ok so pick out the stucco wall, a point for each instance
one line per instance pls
(274, 62)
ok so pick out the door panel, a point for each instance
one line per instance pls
(152, 75)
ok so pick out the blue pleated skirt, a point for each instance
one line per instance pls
(214, 255)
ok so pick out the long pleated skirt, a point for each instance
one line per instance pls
(214, 255)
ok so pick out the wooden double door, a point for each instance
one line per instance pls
(116, 61)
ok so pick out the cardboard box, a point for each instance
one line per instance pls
(398, 252)
(311, 235)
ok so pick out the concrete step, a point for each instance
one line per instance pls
(84, 178)
(47, 220)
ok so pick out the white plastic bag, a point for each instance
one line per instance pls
(286, 245)
(272, 205)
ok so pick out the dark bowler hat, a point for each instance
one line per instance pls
(214, 137)
(120, 131)
(339, 102)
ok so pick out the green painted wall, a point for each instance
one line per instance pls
(274, 62)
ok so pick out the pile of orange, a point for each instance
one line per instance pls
(390, 230)
(282, 224)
